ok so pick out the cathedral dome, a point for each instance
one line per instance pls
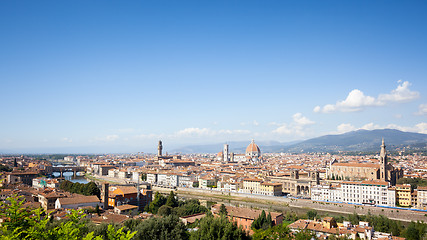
(252, 151)
(252, 148)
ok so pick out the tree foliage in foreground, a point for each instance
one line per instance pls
(212, 228)
(165, 228)
(23, 223)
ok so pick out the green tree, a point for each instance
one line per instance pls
(97, 210)
(277, 232)
(189, 208)
(144, 177)
(305, 235)
(212, 228)
(4, 168)
(262, 221)
(311, 214)
(23, 223)
(164, 210)
(166, 228)
(415, 231)
(159, 200)
(354, 219)
(171, 200)
(223, 210)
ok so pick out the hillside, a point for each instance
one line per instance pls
(360, 140)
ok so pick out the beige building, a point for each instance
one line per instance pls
(297, 185)
(403, 195)
(258, 186)
(252, 185)
(422, 198)
(271, 189)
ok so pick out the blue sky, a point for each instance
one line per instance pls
(117, 76)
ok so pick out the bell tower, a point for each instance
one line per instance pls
(159, 149)
(225, 153)
(383, 163)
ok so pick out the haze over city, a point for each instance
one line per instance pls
(94, 77)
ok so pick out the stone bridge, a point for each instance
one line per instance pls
(74, 169)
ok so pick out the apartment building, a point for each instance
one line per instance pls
(403, 195)
(206, 182)
(271, 189)
(187, 180)
(366, 192)
(152, 178)
(251, 185)
(422, 198)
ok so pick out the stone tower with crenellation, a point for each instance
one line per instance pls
(383, 163)
(159, 149)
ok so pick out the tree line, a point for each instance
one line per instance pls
(87, 189)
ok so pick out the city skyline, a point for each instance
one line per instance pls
(124, 75)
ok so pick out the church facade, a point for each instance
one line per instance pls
(366, 171)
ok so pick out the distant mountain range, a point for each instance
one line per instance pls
(355, 141)
(360, 140)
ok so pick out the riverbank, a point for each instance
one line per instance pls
(281, 203)
(297, 205)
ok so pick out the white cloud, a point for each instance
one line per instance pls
(370, 126)
(108, 138)
(199, 132)
(238, 131)
(254, 123)
(401, 94)
(194, 132)
(356, 100)
(421, 127)
(422, 109)
(298, 127)
(299, 119)
(345, 127)
(65, 139)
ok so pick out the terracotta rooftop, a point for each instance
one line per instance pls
(126, 207)
(352, 164)
(77, 198)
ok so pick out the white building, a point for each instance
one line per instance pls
(42, 182)
(187, 180)
(152, 178)
(113, 173)
(367, 192)
(422, 198)
(321, 193)
(228, 186)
